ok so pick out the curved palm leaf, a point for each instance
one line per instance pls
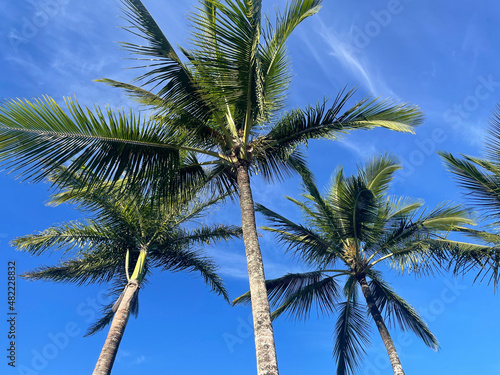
(296, 293)
(399, 311)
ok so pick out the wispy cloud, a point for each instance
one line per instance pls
(341, 47)
(362, 150)
(139, 359)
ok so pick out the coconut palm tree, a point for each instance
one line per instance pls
(127, 238)
(480, 177)
(350, 235)
(223, 101)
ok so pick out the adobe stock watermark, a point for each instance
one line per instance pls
(59, 341)
(462, 111)
(380, 19)
(380, 363)
(30, 26)
(454, 117)
(244, 330)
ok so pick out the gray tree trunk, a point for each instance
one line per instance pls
(116, 331)
(379, 321)
(267, 363)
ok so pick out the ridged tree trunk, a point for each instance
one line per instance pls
(267, 363)
(116, 331)
(379, 321)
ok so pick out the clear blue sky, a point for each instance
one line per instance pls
(442, 56)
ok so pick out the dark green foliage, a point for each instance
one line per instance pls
(126, 224)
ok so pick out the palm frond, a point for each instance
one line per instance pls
(166, 72)
(95, 267)
(208, 235)
(303, 242)
(351, 337)
(462, 257)
(299, 126)
(357, 209)
(138, 94)
(296, 294)
(275, 64)
(483, 188)
(493, 139)
(379, 172)
(174, 260)
(227, 37)
(81, 235)
(37, 137)
(399, 312)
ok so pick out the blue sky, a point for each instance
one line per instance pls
(442, 56)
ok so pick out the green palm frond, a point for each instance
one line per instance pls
(227, 59)
(208, 235)
(379, 172)
(275, 163)
(483, 187)
(399, 312)
(138, 94)
(462, 257)
(296, 293)
(175, 260)
(356, 207)
(303, 242)
(299, 126)
(493, 139)
(446, 217)
(37, 137)
(275, 64)
(485, 236)
(94, 267)
(401, 208)
(166, 70)
(81, 235)
(351, 337)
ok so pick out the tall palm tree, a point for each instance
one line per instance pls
(223, 101)
(349, 234)
(480, 177)
(127, 238)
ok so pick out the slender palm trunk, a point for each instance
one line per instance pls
(379, 321)
(116, 331)
(267, 363)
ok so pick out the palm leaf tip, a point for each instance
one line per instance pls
(242, 300)
(351, 337)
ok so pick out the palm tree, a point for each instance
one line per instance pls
(350, 233)
(223, 102)
(480, 177)
(128, 237)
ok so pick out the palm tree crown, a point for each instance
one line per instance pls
(127, 238)
(349, 234)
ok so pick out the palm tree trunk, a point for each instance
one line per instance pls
(379, 321)
(116, 331)
(267, 363)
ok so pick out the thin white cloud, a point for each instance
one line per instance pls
(341, 47)
(139, 359)
(362, 150)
